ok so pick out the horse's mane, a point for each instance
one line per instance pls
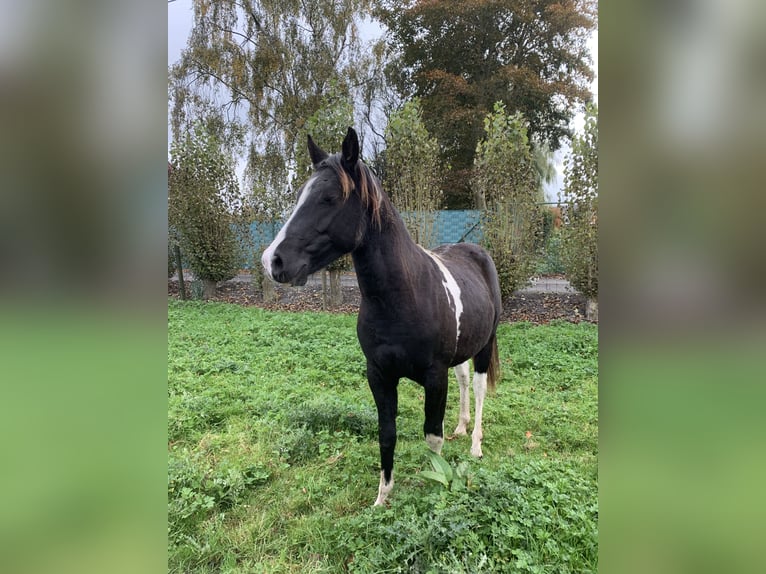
(370, 189)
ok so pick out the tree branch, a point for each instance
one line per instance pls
(247, 38)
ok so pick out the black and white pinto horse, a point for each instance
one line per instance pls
(421, 312)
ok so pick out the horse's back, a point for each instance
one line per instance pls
(469, 262)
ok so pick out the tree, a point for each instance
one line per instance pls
(266, 175)
(580, 208)
(413, 172)
(206, 208)
(327, 127)
(462, 57)
(506, 181)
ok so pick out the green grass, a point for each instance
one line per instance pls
(273, 455)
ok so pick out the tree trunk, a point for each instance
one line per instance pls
(268, 293)
(591, 310)
(180, 268)
(480, 201)
(208, 289)
(332, 295)
(325, 296)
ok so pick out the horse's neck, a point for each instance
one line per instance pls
(387, 260)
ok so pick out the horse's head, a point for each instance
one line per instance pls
(327, 220)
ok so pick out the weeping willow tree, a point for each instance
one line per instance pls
(258, 70)
(413, 172)
(506, 184)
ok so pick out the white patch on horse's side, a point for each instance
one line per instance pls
(384, 489)
(435, 443)
(463, 374)
(451, 288)
(269, 253)
(479, 392)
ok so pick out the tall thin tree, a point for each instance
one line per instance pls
(507, 182)
(413, 172)
(580, 203)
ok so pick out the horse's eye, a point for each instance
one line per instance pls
(328, 200)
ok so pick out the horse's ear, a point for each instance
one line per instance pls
(350, 150)
(316, 153)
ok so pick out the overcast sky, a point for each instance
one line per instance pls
(181, 19)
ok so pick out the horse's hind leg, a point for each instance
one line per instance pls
(463, 375)
(479, 392)
(481, 363)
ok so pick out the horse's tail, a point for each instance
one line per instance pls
(493, 372)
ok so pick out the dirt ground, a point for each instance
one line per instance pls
(536, 308)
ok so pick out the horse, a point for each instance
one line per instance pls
(421, 313)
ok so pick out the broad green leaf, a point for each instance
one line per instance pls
(436, 476)
(441, 465)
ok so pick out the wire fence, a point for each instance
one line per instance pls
(449, 226)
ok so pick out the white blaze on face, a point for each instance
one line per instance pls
(451, 288)
(269, 253)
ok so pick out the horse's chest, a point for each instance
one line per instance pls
(404, 348)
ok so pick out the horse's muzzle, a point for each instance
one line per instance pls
(283, 274)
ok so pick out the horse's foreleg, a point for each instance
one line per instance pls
(436, 402)
(463, 375)
(385, 393)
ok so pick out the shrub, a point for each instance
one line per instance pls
(206, 208)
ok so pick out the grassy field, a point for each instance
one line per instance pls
(273, 455)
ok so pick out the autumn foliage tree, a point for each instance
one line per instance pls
(413, 172)
(462, 57)
(206, 208)
(580, 207)
(507, 181)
